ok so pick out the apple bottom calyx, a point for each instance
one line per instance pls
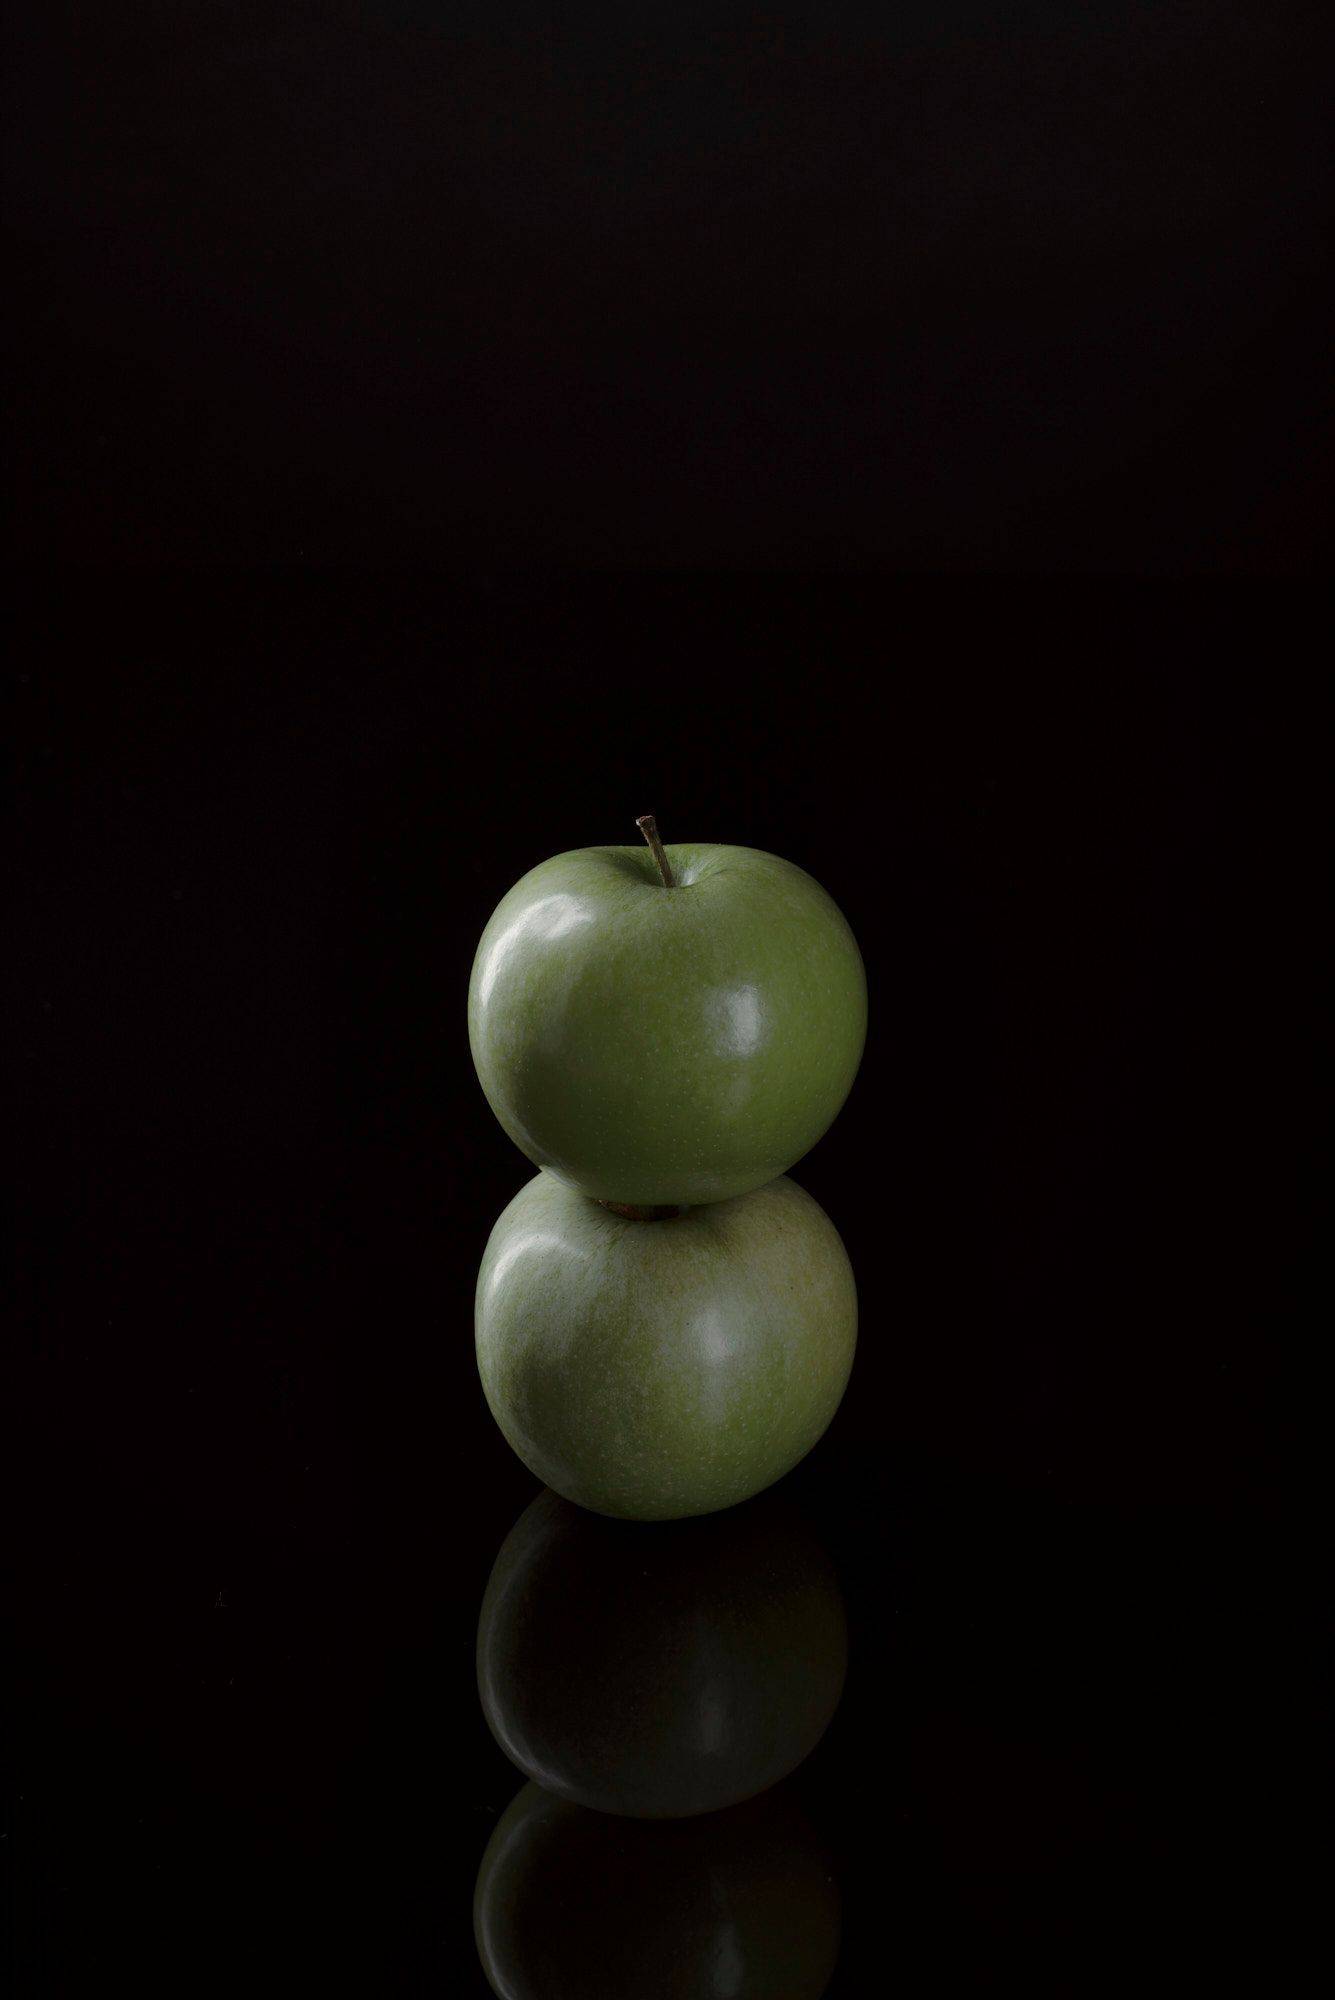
(634, 1214)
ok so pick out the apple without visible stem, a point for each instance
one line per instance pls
(656, 1369)
(664, 1671)
(654, 1044)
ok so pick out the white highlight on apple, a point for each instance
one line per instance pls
(552, 917)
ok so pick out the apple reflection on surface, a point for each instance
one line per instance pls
(660, 1671)
(658, 1681)
(576, 1905)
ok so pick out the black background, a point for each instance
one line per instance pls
(259, 1491)
(1003, 285)
(425, 429)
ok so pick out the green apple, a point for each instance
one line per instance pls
(660, 1671)
(657, 1369)
(654, 1045)
(576, 1905)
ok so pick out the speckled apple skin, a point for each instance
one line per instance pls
(653, 1046)
(653, 1370)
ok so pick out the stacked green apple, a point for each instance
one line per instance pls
(665, 1322)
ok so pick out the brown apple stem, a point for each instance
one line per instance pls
(633, 1213)
(648, 826)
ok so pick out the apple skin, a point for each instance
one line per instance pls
(664, 1671)
(577, 1905)
(660, 1046)
(652, 1370)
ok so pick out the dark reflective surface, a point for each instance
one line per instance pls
(661, 1670)
(576, 1905)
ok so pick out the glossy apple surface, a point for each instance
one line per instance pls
(652, 1045)
(652, 1370)
(660, 1671)
(576, 1905)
